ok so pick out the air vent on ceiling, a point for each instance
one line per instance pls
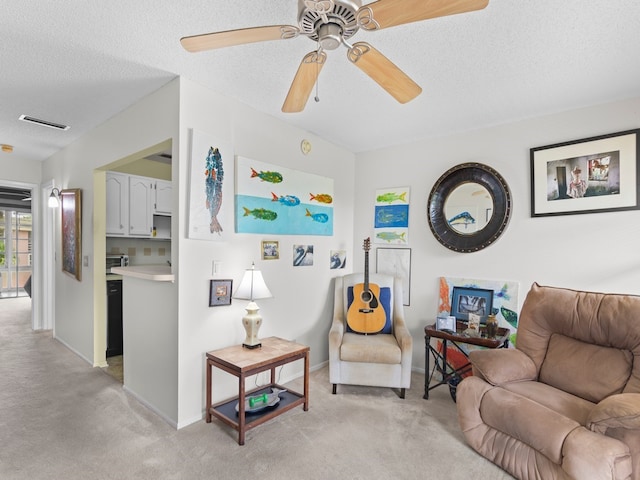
(44, 123)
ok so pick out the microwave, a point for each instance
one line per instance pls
(117, 261)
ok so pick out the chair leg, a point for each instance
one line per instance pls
(402, 393)
(335, 386)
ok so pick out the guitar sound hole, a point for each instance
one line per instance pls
(366, 297)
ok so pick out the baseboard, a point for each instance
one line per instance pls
(146, 404)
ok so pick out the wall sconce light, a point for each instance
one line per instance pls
(252, 287)
(54, 201)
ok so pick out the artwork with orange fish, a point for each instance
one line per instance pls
(275, 200)
(214, 175)
(321, 197)
(272, 177)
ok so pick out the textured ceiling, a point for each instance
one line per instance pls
(80, 63)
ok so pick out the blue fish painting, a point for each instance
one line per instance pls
(317, 217)
(288, 200)
(214, 175)
(463, 218)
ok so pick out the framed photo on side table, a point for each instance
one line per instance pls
(220, 292)
(466, 300)
(597, 174)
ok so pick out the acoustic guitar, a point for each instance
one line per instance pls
(366, 314)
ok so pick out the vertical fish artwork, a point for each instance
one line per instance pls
(214, 174)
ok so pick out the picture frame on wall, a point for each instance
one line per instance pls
(270, 250)
(591, 175)
(467, 300)
(396, 262)
(71, 206)
(220, 292)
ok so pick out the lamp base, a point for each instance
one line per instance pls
(251, 347)
(251, 322)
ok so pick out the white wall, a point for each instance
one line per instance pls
(302, 297)
(590, 251)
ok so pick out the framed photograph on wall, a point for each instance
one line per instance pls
(71, 206)
(396, 262)
(270, 250)
(466, 300)
(597, 174)
(220, 292)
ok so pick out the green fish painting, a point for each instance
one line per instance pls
(510, 316)
(390, 236)
(261, 213)
(390, 197)
(272, 177)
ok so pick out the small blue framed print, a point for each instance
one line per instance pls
(466, 300)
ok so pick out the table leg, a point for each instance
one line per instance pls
(241, 412)
(427, 378)
(306, 382)
(209, 367)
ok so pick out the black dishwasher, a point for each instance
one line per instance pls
(114, 318)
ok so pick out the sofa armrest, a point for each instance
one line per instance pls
(617, 411)
(502, 365)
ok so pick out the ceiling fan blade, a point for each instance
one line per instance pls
(389, 13)
(230, 38)
(384, 72)
(303, 82)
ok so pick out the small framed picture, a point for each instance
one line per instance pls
(466, 300)
(220, 292)
(270, 250)
(446, 322)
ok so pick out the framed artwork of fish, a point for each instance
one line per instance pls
(272, 199)
(391, 216)
(211, 188)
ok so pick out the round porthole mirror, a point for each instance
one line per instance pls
(469, 207)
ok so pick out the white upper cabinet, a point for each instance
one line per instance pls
(140, 205)
(163, 197)
(117, 185)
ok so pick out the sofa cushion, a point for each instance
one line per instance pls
(381, 348)
(616, 411)
(590, 371)
(575, 408)
(523, 419)
(502, 365)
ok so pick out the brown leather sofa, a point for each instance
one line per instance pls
(565, 403)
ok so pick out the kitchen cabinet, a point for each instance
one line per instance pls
(163, 197)
(140, 206)
(136, 204)
(117, 185)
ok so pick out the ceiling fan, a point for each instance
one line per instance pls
(331, 23)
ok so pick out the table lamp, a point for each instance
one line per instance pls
(252, 287)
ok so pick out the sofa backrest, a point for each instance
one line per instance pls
(585, 343)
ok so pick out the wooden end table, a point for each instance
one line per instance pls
(454, 339)
(243, 362)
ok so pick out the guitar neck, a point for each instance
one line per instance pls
(366, 270)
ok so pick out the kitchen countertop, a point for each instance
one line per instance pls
(155, 273)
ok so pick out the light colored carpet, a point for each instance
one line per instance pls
(62, 419)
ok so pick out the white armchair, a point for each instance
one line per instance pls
(380, 360)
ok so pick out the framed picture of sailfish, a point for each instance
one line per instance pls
(272, 199)
(210, 188)
(391, 222)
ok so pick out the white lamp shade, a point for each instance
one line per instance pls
(252, 286)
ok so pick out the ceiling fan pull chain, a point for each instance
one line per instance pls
(317, 97)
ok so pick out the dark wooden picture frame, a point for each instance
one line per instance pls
(220, 292)
(591, 175)
(71, 207)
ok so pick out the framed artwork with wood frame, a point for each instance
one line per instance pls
(597, 174)
(71, 206)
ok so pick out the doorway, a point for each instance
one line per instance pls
(16, 242)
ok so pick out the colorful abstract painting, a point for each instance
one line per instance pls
(391, 222)
(275, 200)
(211, 188)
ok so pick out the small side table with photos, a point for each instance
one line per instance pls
(455, 340)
